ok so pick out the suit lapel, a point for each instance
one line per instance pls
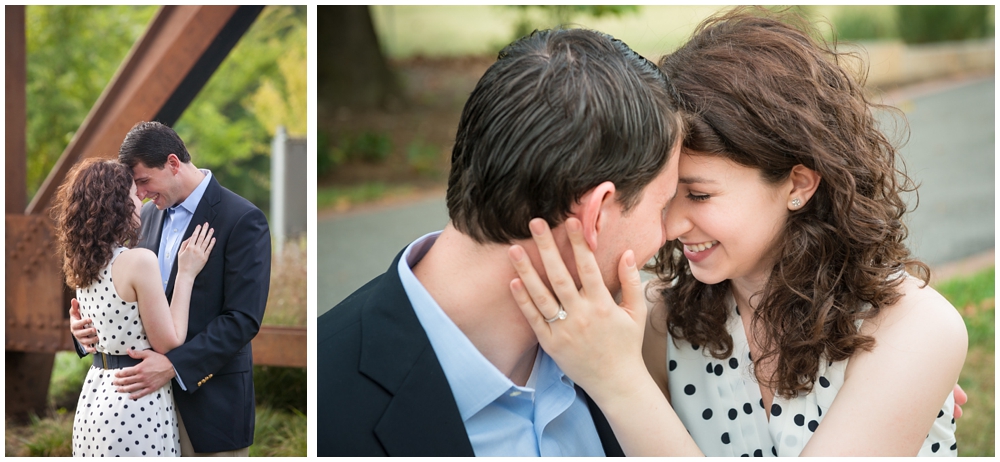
(205, 212)
(604, 431)
(151, 228)
(422, 419)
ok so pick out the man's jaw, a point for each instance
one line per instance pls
(155, 199)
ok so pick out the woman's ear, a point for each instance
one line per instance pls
(590, 211)
(804, 182)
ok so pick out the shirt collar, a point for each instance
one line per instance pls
(474, 381)
(191, 203)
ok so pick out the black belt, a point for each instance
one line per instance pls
(106, 361)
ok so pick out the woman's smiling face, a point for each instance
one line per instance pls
(727, 217)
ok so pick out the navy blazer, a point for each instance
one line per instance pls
(381, 390)
(227, 307)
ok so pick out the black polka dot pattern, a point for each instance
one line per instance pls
(101, 410)
(720, 403)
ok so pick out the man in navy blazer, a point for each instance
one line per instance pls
(213, 389)
(433, 357)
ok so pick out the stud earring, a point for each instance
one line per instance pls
(796, 203)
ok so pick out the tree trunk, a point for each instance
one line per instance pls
(351, 70)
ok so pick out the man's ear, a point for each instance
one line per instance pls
(173, 163)
(591, 211)
(803, 181)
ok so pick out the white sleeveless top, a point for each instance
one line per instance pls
(720, 403)
(119, 328)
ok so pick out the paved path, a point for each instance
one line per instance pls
(950, 152)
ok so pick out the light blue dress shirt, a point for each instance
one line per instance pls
(546, 417)
(177, 220)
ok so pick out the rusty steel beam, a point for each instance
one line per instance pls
(164, 69)
(14, 106)
(36, 317)
(159, 78)
(280, 346)
(26, 375)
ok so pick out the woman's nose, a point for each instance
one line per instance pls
(676, 221)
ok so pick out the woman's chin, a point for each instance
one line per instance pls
(705, 276)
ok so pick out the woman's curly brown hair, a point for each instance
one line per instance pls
(93, 213)
(768, 95)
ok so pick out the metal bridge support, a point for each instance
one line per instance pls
(159, 78)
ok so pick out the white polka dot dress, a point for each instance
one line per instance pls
(108, 423)
(720, 403)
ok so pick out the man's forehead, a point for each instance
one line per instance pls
(140, 170)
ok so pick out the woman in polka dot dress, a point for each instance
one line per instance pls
(97, 219)
(783, 321)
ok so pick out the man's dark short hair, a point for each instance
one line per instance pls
(558, 113)
(151, 143)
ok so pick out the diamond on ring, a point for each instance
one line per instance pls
(560, 315)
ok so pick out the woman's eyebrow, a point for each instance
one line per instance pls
(694, 179)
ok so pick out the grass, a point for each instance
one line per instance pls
(974, 297)
(341, 198)
(280, 425)
(279, 433)
(50, 436)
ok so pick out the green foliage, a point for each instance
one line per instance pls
(939, 23)
(561, 15)
(369, 147)
(68, 373)
(261, 84)
(324, 160)
(864, 23)
(72, 53)
(423, 157)
(282, 388)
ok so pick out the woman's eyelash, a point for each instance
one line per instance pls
(698, 198)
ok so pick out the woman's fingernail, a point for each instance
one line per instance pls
(516, 253)
(629, 259)
(537, 226)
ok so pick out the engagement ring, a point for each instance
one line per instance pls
(560, 315)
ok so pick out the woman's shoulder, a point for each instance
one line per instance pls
(921, 314)
(137, 258)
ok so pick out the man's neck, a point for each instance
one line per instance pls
(470, 282)
(191, 177)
